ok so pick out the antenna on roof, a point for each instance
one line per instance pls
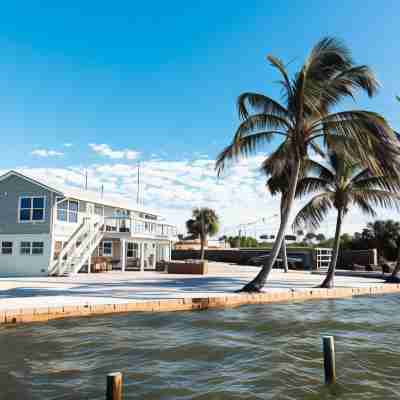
(138, 185)
(86, 180)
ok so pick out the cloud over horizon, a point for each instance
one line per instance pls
(175, 187)
(47, 153)
(106, 151)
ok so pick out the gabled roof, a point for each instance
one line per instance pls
(31, 180)
(89, 196)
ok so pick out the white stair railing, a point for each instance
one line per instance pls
(68, 246)
(86, 249)
(81, 247)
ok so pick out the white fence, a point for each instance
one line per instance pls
(323, 258)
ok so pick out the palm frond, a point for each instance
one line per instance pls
(313, 213)
(277, 163)
(320, 170)
(364, 205)
(366, 180)
(260, 104)
(278, 64)
(261, 122)
(310, 184)
(377, 198)
(370, 138)
(242, 148)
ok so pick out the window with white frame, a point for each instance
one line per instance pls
(107, 249)
(31, 248)
(37, 248)
(67, 210)
(99, 210)
(6, 248)
(132, 250)
(32, 209)
(25, 248)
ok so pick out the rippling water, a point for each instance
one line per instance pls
(269, 351)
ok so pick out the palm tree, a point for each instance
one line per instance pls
(339, 185)
(386, 236)
(204, 222)
(303, 122)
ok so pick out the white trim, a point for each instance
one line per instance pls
(31, 221)
(67, 210)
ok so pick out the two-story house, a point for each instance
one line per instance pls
(48, 231)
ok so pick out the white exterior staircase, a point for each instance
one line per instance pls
(79, 248)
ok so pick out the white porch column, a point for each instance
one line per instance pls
(141, 247)
(169, 250)
(123, 254)
(154, 249)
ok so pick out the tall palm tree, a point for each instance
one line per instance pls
(304, 121)
(385, 235)
(339, 185)
(204, 222)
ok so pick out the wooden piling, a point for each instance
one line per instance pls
(114, 386)
(328, 344)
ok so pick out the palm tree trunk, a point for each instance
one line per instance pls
(283, 247)
(259, 281)
(202, 247)
(395, 276)
(329, 279)
(284, 256)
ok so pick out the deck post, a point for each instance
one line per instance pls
(141, 256)
(154, 248)
(123, 254)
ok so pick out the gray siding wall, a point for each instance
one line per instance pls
(10, 190)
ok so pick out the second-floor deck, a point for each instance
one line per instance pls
(135, 226)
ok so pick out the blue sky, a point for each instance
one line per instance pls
(161, 78)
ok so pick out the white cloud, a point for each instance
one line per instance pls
(67, 145)
(47, 153)
(106, 151)
(174, 187)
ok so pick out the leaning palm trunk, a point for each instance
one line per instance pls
(329, 280)
(283, 247)
(284, 256)
(395, 276)
(259, 281)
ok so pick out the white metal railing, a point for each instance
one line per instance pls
(323, 258)
(137, 225)
(79, 247)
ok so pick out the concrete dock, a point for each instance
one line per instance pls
(41, 299)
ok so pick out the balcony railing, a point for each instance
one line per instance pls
(139, 226)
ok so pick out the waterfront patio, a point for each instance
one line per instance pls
(119, 288)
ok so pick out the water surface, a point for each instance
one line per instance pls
(270, 351)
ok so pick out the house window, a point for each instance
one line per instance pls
(6, 248)
(37, 248)
(67, 210)
(132, 250)
(31, 209)
(107, 249)
(25, 248)
(99, 210)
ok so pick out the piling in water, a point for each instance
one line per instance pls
(114, 386)
(328, 345)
